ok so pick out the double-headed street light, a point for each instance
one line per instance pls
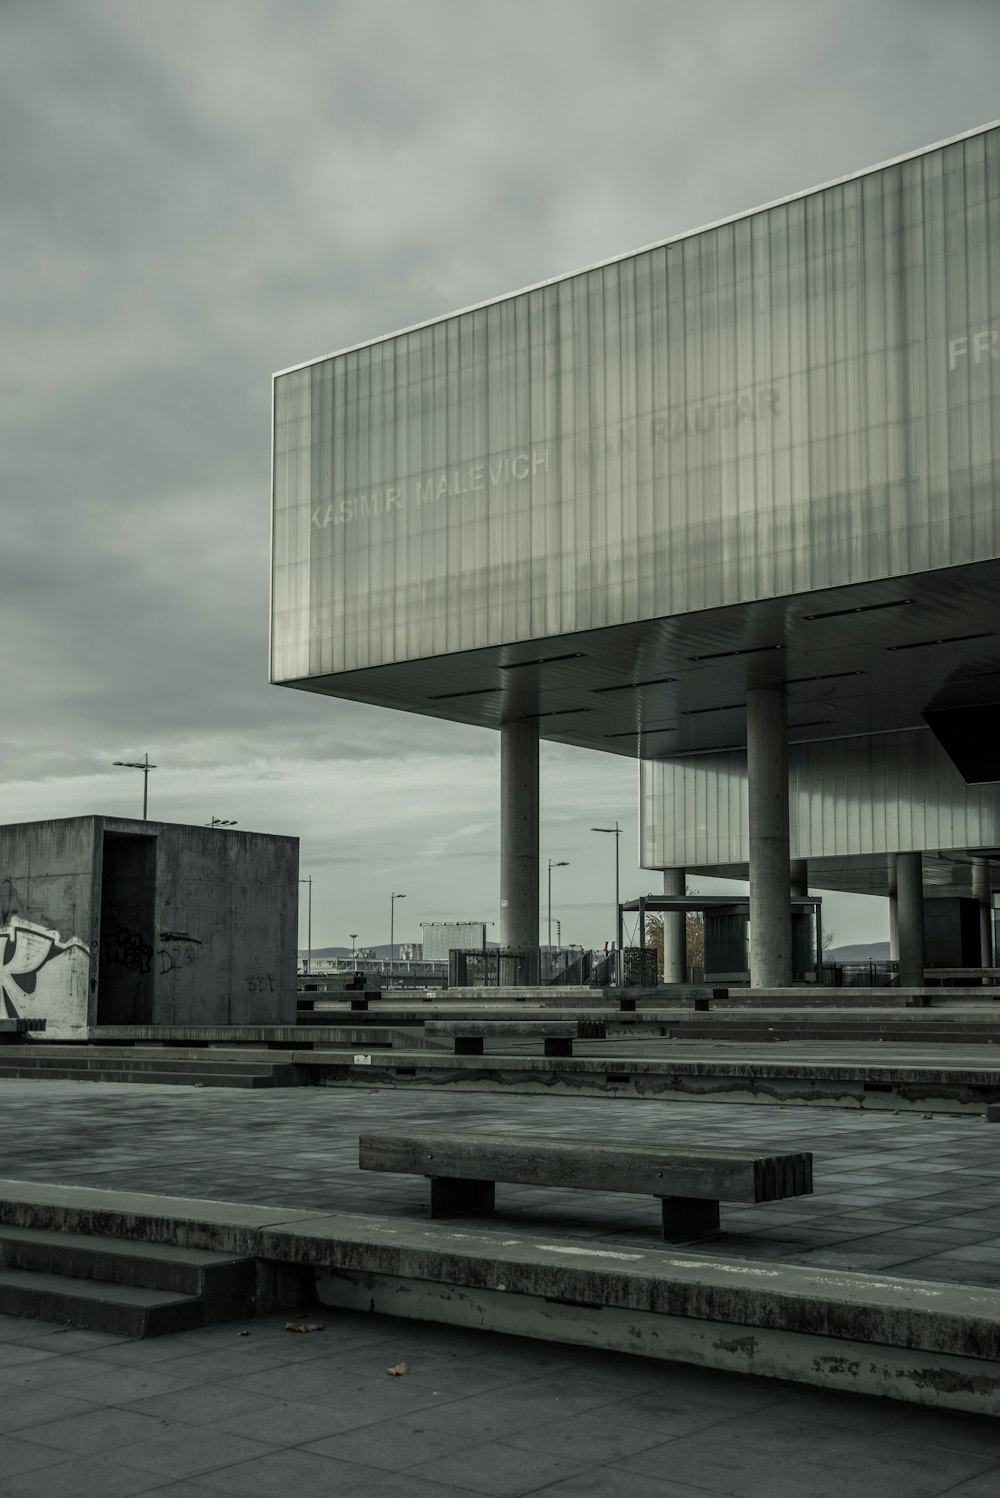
(392, 927)
(616, 833)
(145, 767)
(354, 961)
(562, 864)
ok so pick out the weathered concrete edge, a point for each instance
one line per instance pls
(887, 1310)
(940, 1380)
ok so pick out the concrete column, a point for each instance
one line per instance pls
(767, 793)
(893, 912)
(519, 836)
(910, 918)
(674, 930)
(982, 891)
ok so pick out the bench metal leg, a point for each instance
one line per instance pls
(461, 1197)
(554, 1047)
(688, 1217)
(468, 1045)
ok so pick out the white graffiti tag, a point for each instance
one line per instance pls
(26, 949)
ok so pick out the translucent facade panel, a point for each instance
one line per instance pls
(805, 397)
(874, 793)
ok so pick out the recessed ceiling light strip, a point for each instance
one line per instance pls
(985, 634)
(861, 608)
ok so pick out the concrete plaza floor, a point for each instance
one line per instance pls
(253, 1410)
(917, 1195)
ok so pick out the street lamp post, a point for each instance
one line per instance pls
(143, 765)
(309, 928)
(562, 864)
(616, 833)
(392, 928)
(354, 961)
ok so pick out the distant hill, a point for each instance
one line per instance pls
(869, 951)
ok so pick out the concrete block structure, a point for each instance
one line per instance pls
(108, 921)
(729, 505)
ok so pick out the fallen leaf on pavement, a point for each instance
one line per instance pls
(399, 1369)
(304, 1326)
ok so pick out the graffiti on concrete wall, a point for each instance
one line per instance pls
(126, 949)
(40, 972)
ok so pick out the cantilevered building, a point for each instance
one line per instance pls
(729, 505)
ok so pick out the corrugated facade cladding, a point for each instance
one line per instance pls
(873, 793)
(805, 396)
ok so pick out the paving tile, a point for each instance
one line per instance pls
(912, 1459)
(202, 1404)
(218, 1363)
(189, 1450)
(66, 1339)
(599, 1436)
(705, 1461)
(392, 1444)
(509, 1411)
(123, 1385)
(811, 1480)
(615, 1482)
(83, 1477)
(46, 1371)
(20, 1409)
(17, 1354)
(18, 1456)
(358, 1400)
(498, 1469)
(98, 1430)
(19, 1329)
(288, 1474)
(293, 1424)
(985, 1485)
(957, 1432)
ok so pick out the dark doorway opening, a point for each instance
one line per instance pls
(128, 917)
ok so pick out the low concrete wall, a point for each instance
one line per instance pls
(916, 1341)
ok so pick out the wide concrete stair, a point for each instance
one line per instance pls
(128, 1289)
(193, 1068)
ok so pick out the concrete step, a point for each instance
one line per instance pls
(140, 1060)
(131, 1289)
(143, 1266)
(115, 1074)
(93, 1063)
(120, 1309)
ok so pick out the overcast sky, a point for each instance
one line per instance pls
(195, 193)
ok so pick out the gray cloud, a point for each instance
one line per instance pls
(195, 195)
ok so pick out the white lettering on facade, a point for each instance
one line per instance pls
(697, 420)
(977, 346)
(449, 483)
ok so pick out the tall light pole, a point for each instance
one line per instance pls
(145, 767)
(392, 927)
(354, 961)
(616, 832)
(309, 938)
(562, 864)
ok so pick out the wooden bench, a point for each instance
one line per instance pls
(690, 1183)
(557, 1035)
